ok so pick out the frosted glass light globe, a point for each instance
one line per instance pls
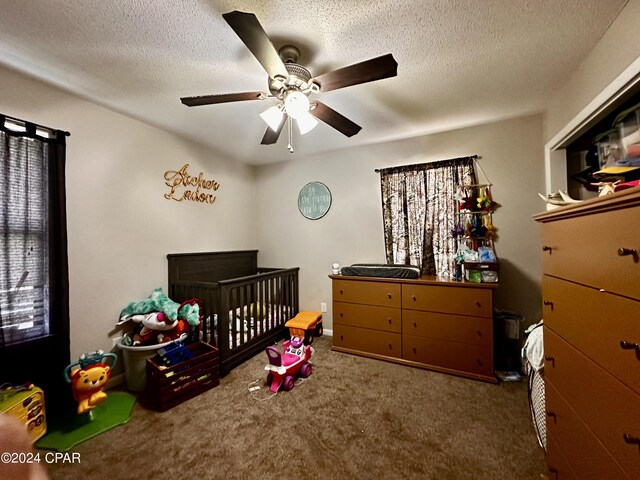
(296, 104)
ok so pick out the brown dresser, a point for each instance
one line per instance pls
(591, 310)
(427, 323)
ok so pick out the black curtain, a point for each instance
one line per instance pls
(39, 356)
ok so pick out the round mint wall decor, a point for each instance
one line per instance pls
(314, 200)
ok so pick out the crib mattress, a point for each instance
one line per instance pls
(381, 270)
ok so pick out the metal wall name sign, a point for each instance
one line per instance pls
(181, 185)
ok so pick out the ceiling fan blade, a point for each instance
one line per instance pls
(271, 137)
(222, 98)
(335, 119)
(248, 28)
(363, 72)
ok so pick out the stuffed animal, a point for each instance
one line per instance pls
(154, 328)
(159, 302)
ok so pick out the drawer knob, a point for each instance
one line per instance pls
(630, 439)
(554, 472)
(547, 248)
(341, 291)
(414, 350)
(390, 347)
(341, 337)
(478, 361)
(389, 295)
(630, 346)
(551, 414)
(623, 252)
(341, 314)
(549, 358)
(389, 320)
(413, 297)
(548, 303)
(479, 333)
(415, 325)
(478, 304)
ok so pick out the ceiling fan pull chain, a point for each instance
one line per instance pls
(290, 145)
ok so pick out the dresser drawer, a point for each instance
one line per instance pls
(608, 407)
(473, 301)
(370, 293)
(477, 359)
(595, 323)
(377, 318)
(585, 249)
(368, 341)
(557, 464)
(457, 328)
(586, 455)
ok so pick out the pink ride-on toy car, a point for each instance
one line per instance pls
(283, 368)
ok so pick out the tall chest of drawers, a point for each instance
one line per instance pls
(442, 326)
(591, 310)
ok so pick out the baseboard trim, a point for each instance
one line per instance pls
(327, 332)
(114, 381)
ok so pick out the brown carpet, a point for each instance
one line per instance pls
(353, 418)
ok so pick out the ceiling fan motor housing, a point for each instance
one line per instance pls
(298, 78)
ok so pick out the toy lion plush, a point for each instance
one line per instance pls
(87, 384)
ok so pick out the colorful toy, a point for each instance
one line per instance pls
(305, 325)
(153, 328)
(87, 377)
(283, 368)
(26, 403)
(173, 353)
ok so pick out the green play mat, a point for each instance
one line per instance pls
(115, 411)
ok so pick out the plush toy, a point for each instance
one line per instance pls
(159, 302)
(154, 328)
(156, 324)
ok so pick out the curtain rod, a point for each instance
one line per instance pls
(473, 157)
(25, 123)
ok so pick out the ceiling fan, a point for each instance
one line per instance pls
(292, 84)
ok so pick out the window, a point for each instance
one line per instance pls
(34, 280)
(24, 253)
(418, 207)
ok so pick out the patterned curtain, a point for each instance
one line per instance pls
(418, 210)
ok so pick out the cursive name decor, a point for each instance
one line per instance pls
(179, 181)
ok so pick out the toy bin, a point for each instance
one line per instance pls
(170, 386)
(628, 125)
(135, 368)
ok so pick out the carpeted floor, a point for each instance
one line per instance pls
(353, 418)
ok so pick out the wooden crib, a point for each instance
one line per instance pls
(244, 307)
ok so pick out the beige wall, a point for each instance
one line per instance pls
(120, 227)
(351, 232)
(618, 48)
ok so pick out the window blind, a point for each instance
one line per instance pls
(24, 225)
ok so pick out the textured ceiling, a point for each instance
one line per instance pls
(461, 62)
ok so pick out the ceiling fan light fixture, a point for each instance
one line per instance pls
(296, 104)
(273, 116)
(306, 123)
